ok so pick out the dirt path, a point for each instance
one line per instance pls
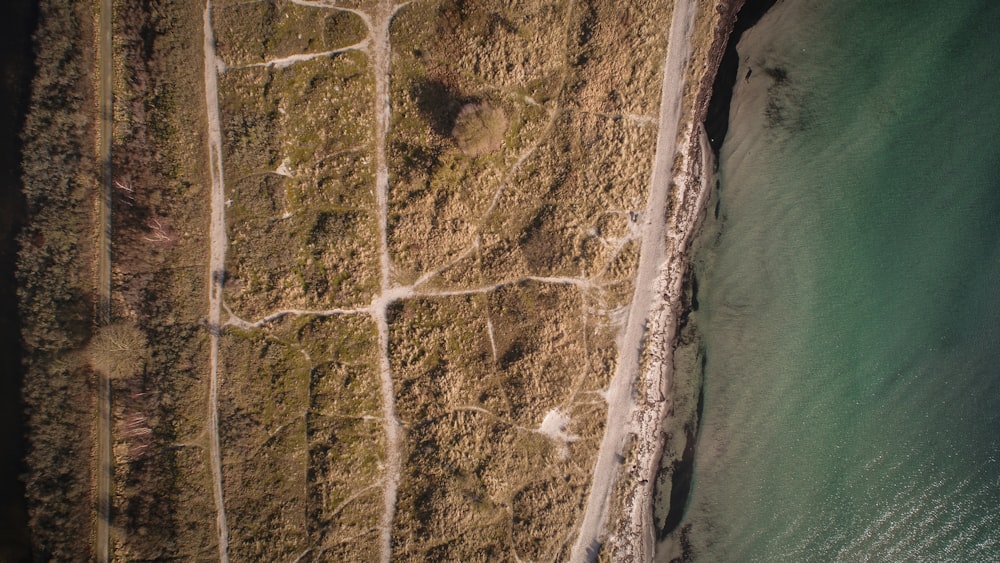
(652, 256)
(378, 47)
(380, 51)
(105, 464)
(285, 62)
(217, 267)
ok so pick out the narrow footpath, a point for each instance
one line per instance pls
(217, 271)
(381, 58)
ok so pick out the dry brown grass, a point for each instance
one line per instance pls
(301, 220)
(302, 447)
(534, 205)
(557, 190)
(480, 480)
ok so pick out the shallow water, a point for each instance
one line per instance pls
(849, 298)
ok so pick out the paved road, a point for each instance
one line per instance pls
(104, 460)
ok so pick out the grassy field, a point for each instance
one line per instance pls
(519, 147)
(476, 376)
(523, 250)
(299, 172)
(537, 205)
(302, 442)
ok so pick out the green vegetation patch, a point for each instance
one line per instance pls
(345, 426)
(342, 28)
(299, 187)
(303, 121)
(313, 259)
(249, 122)
(324, 107)
(302, 438)
(263, 436)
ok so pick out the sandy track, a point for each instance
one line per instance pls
(217, 267)
(381, 51)
(653, 253)
(285, 62)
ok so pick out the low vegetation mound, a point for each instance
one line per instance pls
(479, 129)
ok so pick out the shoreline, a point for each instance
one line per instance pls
(637, 533)
(654, 252)
(634, 535)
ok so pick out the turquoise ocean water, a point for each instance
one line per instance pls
(850, 291)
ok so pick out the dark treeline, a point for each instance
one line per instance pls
(17, 21)
(55, 280)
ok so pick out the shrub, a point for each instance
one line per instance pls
(479, 129)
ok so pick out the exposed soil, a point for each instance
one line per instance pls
(217, 267)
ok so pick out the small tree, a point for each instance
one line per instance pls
(479, 129)
(119, 350)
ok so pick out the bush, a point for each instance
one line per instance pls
(479, 129)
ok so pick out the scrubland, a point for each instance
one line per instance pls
(511, 236)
